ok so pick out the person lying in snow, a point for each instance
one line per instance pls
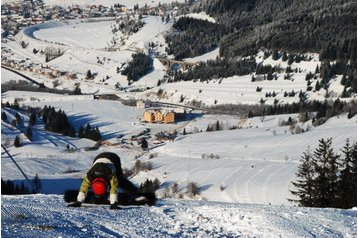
(105, 173)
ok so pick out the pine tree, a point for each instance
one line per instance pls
(348, 177)
(81, 132)
(326, 165)
(304, 184)
(29, 133)
(17, 141)
(144, 144)
(32, 119)
(37, 183)
(284, 56)
(275, 55)
(3, 116)
(89, 74)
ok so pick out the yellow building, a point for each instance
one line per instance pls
(158, 116)
(152, 116)
(168, 117)
(149, 116)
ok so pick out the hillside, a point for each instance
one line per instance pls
(256, 165)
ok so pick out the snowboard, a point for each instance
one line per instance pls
(138, 199)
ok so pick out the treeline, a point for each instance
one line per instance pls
(324, 109)
(89, 133)
(57, 121)
(140, 65)
(219, 68)
(10, 188)
(192, 37)
(326, 178)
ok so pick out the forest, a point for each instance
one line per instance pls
(293, 27)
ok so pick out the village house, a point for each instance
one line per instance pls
(168, 117)
(157, 115)
(140, 104)
(149, 116)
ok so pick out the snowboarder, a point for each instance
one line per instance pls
(106, 172)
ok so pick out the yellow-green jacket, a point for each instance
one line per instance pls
(103, 168)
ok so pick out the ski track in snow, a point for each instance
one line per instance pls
(47, 216)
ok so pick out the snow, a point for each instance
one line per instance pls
(256, 163)
(127, 3)
(47, 216)
(200, 15)
(99, 34)
(243, 189)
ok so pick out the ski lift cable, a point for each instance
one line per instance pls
(7, 152)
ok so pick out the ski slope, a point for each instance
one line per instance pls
(47, 216)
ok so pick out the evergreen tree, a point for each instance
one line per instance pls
(81, 132)
(9, 187)
(37, 183)
(326, 165)
(3, 116)
(275, 55)
(77, 90)
(29, 133)
(32, 119)
(284, 56)
(89, 74)
(304, 184)
(149, 186)
(144, 144)
(17, 141)
(348, 177)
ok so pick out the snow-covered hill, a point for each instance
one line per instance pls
(256, 163)
(244, 175)
(47, 216)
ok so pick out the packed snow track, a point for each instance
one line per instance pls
(48, 216)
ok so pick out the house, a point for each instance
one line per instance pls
(149, 116)
(142, 104)
(157, 115)
(168, 117)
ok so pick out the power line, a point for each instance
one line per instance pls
(7, 152)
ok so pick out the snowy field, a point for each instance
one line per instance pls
(47, 216)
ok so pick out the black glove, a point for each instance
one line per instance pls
(75, 204)
(114, 206)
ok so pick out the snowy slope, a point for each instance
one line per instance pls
(257, 163)
(47, 216)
